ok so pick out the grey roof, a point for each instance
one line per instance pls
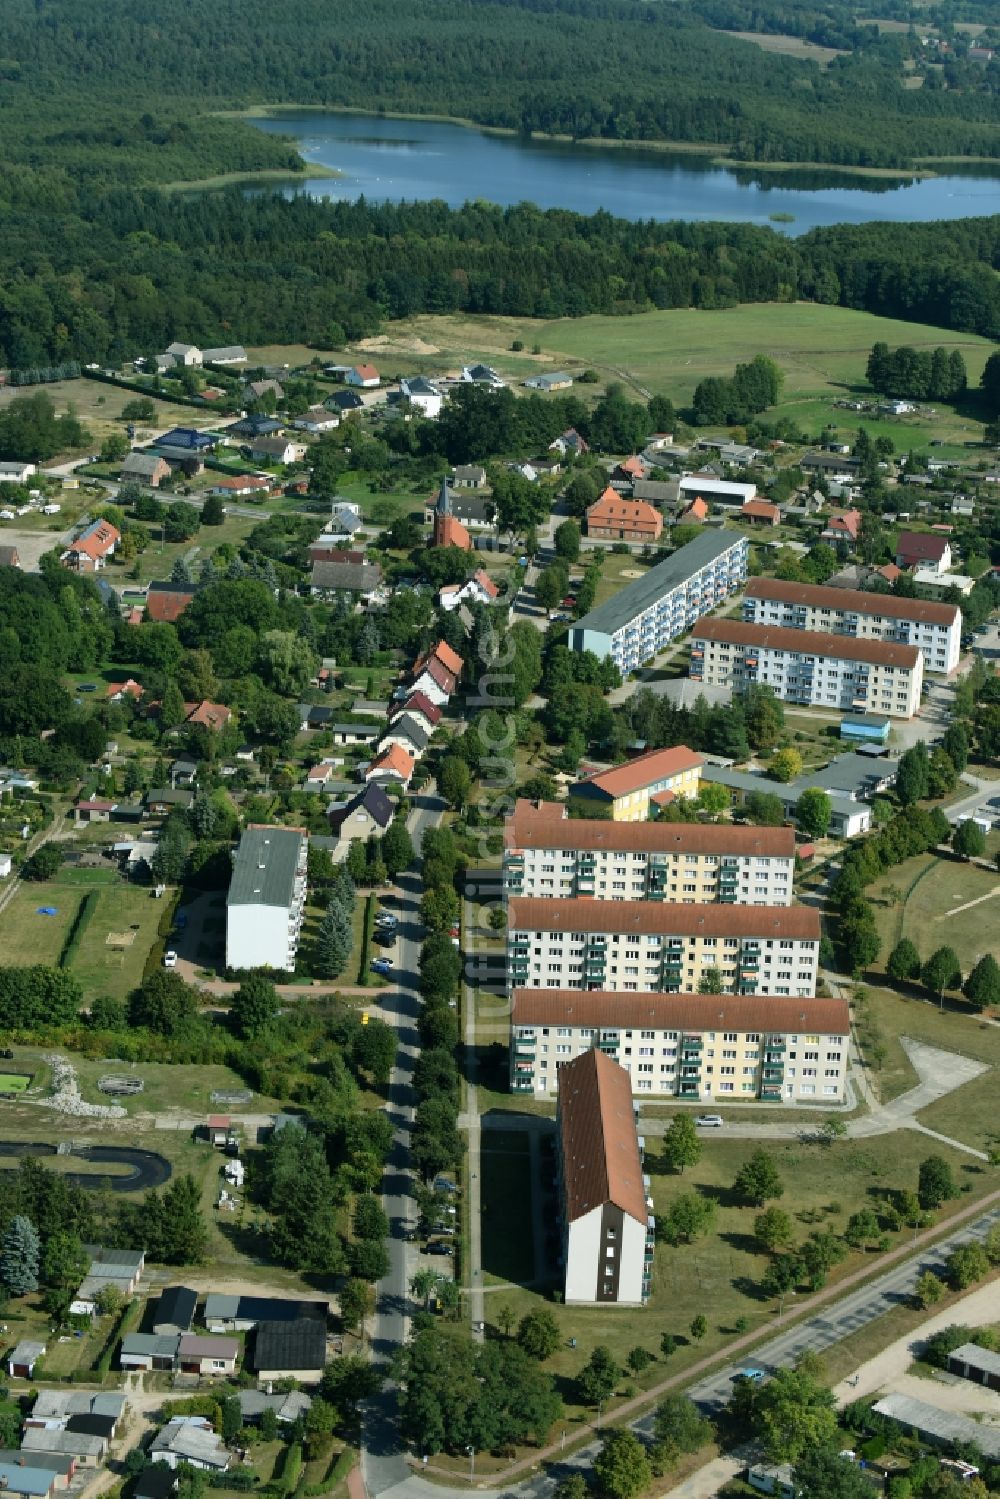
(229, 351)
(102, 1258)
(57, 1404)
(353, 577)
(220, 1308)
(287, 1406)
(412, 729)
(855, 775)
(176, 1307)
(78, 1443)
(271, 447)
(150, 1344)
(443, 505)
(361, 730)
(944, 1426)
(26, 1351)
(290, 1345)
(186, 1439)
(50, 1462)
(978, 1358)
(265, 866)
(23, 1477)
(375, 802)
(616, 612)
(655, 490)
(788, 792)
(142, 463)
(270, 1309)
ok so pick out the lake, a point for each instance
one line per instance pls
(395, 160)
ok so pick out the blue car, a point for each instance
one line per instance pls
(754, 1376)
(382, 965)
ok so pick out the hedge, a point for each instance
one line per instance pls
(77, 927)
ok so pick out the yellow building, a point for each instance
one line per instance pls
(634, 789)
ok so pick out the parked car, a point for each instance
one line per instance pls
(382, 965)
(709, 1121)
(440, 1248)
(753, 1375)
(386, 919)
(170, 958)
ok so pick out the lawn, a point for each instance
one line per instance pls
(99, 407)
(26, 937)
(505, 1163)
(930, 900)
(158, 559)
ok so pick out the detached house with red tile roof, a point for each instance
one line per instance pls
(844, 526)
(694, 513)
(166, 602)
(92, 548)
(366, 376)
(479, 589)
(920, 549)
(214, 716)
(760, 513)
(392, 764)
(614, 518)
(419, 706)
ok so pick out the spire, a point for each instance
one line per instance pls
(443, 506)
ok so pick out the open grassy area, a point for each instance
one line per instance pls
(27, 937)
(789, 46)
(937, 907)
(99, 407)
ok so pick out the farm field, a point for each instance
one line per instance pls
(788, 46)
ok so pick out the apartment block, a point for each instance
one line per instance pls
(935, 629)
(549, 855)
(640, 946)
(266, 900)
(645, 617)
(608, 1231)
(702, 1047)
(806, 667)
(630, 792)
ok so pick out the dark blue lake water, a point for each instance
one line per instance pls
(393, 160)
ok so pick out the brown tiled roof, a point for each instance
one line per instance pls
(439, 673)
(634, 515)
(697, 508)
(417, 702)
(548, 827)
(921, 545)
(395, 759)
(761, 510)
(805, 642)
(851, 600)
(681, 1012)
(448, 658)
(165, 604)
(644, 769)
(600, 1148)
(655, 917)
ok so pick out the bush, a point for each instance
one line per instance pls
(77, 927)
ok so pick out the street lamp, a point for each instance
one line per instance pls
(472, 1461)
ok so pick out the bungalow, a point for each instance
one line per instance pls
(255, 389)
(255, 426)
(118, 691)
(213, 1355)
(149, 1350)
(760, 513)
(188, 355)
(191, 1440)
(558, 381)
(288, 1406)
(843, 526)
(53, 1408)
(479, 589)
(469, 476)
(186, 440)
(364, 376)
(241, 1313)
(317, 420)
(146, 468)
(163, 800)
(166, 601)
(364, 578)
(277, 450)
(408, 732)
(393, 764)
(313, 717)
(920, 549)
(228, 354)
(240, 486)
(93, 809)
(569, 443)
(347, 734)
(366, 815)
(318, 775)
(23, 1357)
(175, 1310)
(16, 473)
(289, 1350)
(417, 705)
(92, 548)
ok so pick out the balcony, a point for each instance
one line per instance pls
(692, 1043)
(524, 1046)
(774, 1043)
(772, 1092)
(689, 1089)
(773, 1074)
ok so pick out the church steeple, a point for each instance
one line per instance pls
(443, 506)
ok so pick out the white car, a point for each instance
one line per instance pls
(709, 1121)
(170, 958)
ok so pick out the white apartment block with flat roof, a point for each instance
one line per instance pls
(807, 667)
(266, 900)
(550, 855)
(935, 629)
(640, 946)
(702, 1047)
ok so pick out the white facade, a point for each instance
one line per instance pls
(809, 668)
(715, 491)
(267, 895)
(935, 629)
(584, 1244)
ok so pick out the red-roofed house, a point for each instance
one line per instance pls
(760, 513)
(632, 468)
(434, 680)
(448, 658)
(613, 518)
(890, 572)
(166, 602)
(418, 705)
(119, 690)
(364, 375)
(94, 810)
(843, 526)
(694, 513)
(210, 715)
(479, 589)
(920, 549)
(92, 548)
(235, 485)
(393, 764)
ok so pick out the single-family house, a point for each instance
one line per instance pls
(366, 815)
(93, 809)
(241, 486)
(149, 1350)
(843, 526)
(921, 549)
(362, 578)
(60, 1465)
(760, 513)
(482, 374)
(318, 775)
(166, 601)
(288, 1405)
(422, 394)
(190, 1439)
(408, 732)
(16, 473)
(188, 355)
(255, 389)
(434, 680)
(120, 692)
(186, 441)
(277, 450)
(392, 764)
(214, 1354)
(629, 471)
(92, 548)
(53, 1408)
(214, 716)
(363, 376)
(175, 1310)
(417, 705)
(224, 1313)
(289, 1350)
(146, 468)
(558, 380)
(344, 401)
(469, 476)
(255, 425)
(160, 801)
(314, 716)
(23, 1357)
(569, 443)
(479, 589)
(183, 773)
(694, 513)
(316, 421)
(227, 354)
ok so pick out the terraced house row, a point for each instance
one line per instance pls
(549, 855)
(703, 1047)
(645, 945)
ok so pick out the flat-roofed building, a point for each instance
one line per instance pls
(633, 625)
(807, 667)
(638, 946)
(266, 900)
(717, 491)
(628, 790)
(702, 1047)
(935, 629)
(607, 1225)
(550, 855)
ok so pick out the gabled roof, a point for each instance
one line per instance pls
(599, 1009)
(366, 372)
(417, 702)
(392, 761)
(612, 509)
(623, 917)
(547, 826)
(697, 508)
(852, 600)
(740, 632)
(290, 1345)
(921, 546)
(375, 802)
(846, 523)
(450, 659)
(599, 1145)
(97, 539)
(449, 532)
(645, 769)
(412, 730)
(166, 601)
(352, 577)
(210, 715)
(760, 510)
(176, 1306)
